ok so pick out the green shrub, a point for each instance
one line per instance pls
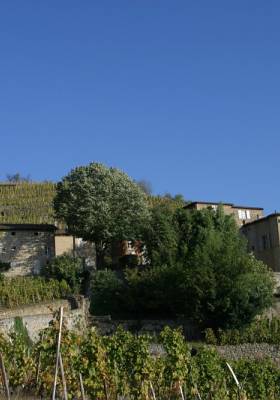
(129, 260)
(210, 279)
(66, 268)
(210, 336)
(106, 289)
(260, 378)
(21, 330)
(217, 282)
(209, 374)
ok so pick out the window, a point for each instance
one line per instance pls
(36, 233)
(130, 247)
(241, 214)
(13, 233)
(47, 251)
(2, 213)
(244, 214)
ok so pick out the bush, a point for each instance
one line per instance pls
(107, 290)
(129, 260)
(210, 336)
(21, 330)
(208, 277)
(66, 268)
(137, 293)
(203, 270)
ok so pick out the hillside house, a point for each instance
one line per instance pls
(242, 214)
(29, 234)
(263, 237)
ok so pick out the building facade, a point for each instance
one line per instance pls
(263, 236)
(26, 247)
(29, 234)
(242, 214)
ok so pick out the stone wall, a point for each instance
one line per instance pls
(254, 351)
(26, 250)
(106, 326)
(37, 317)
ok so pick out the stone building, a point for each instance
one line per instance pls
(29, 234)
(263, 237)
(242, 214)
(26, 247)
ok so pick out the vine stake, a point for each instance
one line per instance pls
(152, 390)
(82, 387)
(57, 353)
(4, 377)
(63, 377)
(181, 392)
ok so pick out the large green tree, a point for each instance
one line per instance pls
(161, 235)
(102, 205)
(200, 269)
(225, 285)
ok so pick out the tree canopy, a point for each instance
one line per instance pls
(199, 268)
(102, 205)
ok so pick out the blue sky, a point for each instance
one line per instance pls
(184, 94)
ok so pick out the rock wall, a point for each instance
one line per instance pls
(38, 317)
(107, 326)
(254, 351)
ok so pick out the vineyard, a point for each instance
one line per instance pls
(32, 203)
(30, 290)
(28, 203)
(261, 330)
(124, 366)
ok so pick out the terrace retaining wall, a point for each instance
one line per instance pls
(256, 351)
(38, 316)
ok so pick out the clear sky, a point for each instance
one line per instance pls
(182, 93)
